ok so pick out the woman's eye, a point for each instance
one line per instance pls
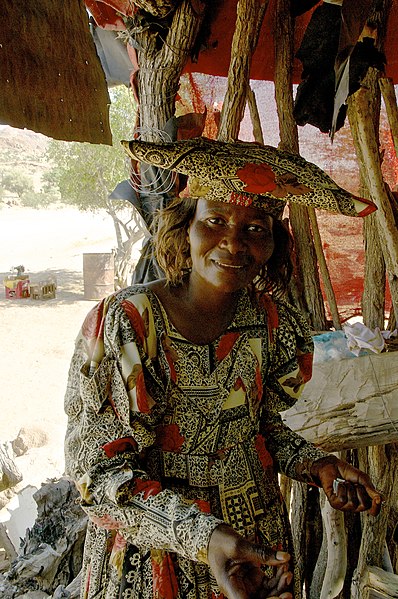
(256, 228)
(215, 220)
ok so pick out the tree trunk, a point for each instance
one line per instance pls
(336, 541)
(373, 298)
(327, 283)
(382, 468)
(255, 117)
(160, 68)
(378, 584)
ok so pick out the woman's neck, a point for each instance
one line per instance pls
(201, 316)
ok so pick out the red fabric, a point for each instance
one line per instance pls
(215, 60)
(93, 323)
(150, 487)
(203, 505)
(136, 320)
(165, 585)
(272, 313)
(263, 453)
(225, 345)
(305, 365)
(169, 438)
(259, 178)
(104, 15)
(142, 397)
(119, 446)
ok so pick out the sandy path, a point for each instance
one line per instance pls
(37, 337)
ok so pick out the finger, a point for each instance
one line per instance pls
(364, 499)
(338, 497)
(278, 558)
(233, 587)
(352, 498)
(377, 502)
(285, 581)
(375, 496)
(272, 583)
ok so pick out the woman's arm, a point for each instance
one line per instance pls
(109, 430)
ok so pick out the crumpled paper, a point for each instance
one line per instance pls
(360, 337)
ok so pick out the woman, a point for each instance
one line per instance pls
(174, 436)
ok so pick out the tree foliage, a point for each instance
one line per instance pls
(17, 181)
(84, 173)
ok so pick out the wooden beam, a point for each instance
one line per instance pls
(378, 584)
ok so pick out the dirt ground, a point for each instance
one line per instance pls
(37, 336)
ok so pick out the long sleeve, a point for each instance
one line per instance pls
(118, 380)
(289, 368)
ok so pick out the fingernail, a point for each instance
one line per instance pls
(281, 555)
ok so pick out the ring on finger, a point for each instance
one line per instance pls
(336, 483)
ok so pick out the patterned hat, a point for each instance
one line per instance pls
(249, 174)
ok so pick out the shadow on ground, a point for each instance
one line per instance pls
(70, 288)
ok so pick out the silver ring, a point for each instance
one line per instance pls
(336, 483)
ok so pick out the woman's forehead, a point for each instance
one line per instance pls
(228, 209)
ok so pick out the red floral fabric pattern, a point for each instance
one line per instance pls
(93, 324)
(225, 345)
(136, 320)
(263, 453)
(169, 438)
(305, 364)
(239, 384)
(259, 178)
(119, 446)
(203, 505)
(136, 379)
(150, 487)
(171, 357)
(165, 584)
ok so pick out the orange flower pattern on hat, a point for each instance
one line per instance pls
(258, 177)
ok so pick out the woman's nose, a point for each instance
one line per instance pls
(234, 240)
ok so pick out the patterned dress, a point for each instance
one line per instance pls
(166, 439)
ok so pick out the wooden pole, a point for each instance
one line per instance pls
(323, 267)
(382, 463)
(254, 115)
(249, 18)
(365, 139)
(390, 101)
(306, 263)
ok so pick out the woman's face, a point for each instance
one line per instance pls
(229, 244)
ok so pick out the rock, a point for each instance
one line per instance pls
(9, 473)
(51, 553)
(28, 438)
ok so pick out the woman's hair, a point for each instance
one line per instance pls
(173, 253)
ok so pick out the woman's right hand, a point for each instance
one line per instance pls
(236, 565)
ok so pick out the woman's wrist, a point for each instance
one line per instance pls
(321, 463)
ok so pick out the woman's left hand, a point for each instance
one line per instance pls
(236, 565)
(347, 488)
